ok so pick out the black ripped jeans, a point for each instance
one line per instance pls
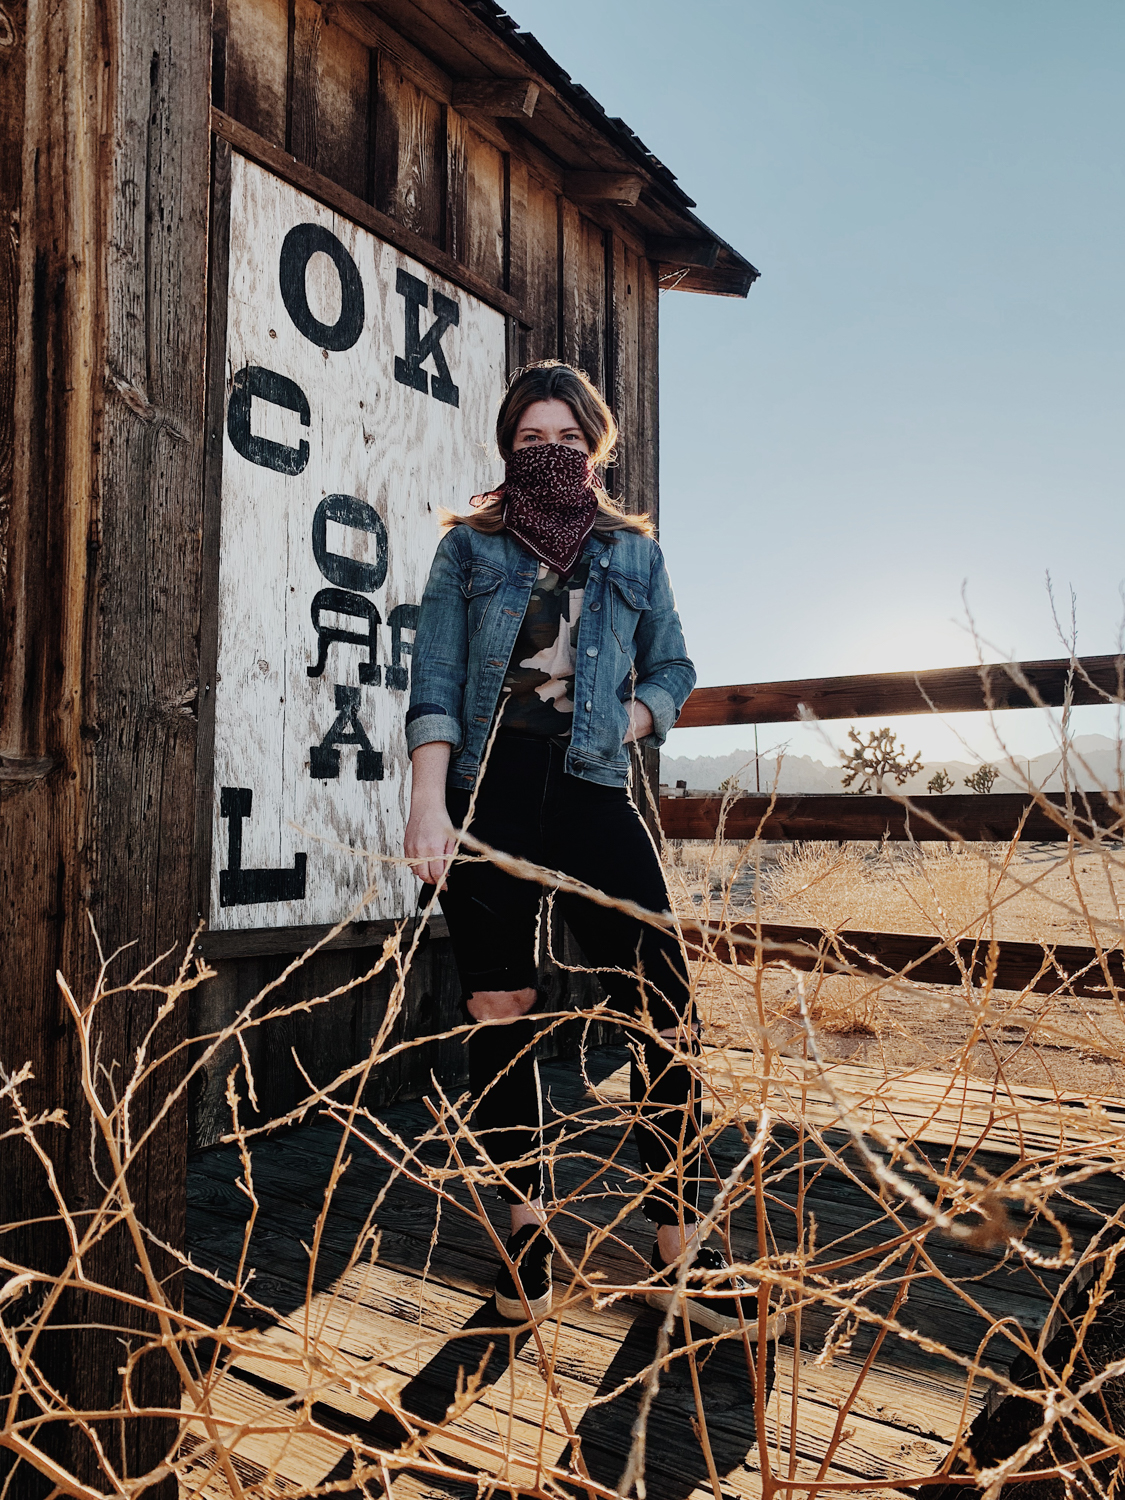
(529, 807)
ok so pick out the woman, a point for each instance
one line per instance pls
(551, 608)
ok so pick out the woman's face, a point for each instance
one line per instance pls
(549, 422)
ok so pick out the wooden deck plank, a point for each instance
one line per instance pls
(920, 1104)
(388, 1329)
(1017, 1296)
(359, 1334)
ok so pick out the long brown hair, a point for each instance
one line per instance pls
(552, 380)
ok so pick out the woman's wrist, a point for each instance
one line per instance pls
(641, 722)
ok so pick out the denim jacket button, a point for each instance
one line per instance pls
(594, 608)
(591, 651)
(605, 562)
(589, 706)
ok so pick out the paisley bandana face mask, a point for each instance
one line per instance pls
(548, 502)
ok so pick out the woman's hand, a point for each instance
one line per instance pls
(430, 843)
(640, 721)
(431, 839)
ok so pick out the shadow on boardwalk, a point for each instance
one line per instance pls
(422, 1314)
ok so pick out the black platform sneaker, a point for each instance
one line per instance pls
(530, 1251)
(712, 1301)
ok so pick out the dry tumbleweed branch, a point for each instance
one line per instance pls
(928, 1179)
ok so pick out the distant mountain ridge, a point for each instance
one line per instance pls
(1094, 765)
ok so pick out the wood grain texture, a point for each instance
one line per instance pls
(371, 29)
(408, 153)
(732, 279)
(13, 63)
(331, 75)
(541, 269)
(394, 449)
(102, 681)
(218, 268)
(256, 49)
(331, 1037)
(260, 942)
(922, 959)
(1000, 816)
(603, 187)
(681, 250)
(625, 382)
(496, 98)
(330, 193)
(423, 1330)
(646, 464)
(582, 273)
(515, 203)
(484, 247)
(996, 685)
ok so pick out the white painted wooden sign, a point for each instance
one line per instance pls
(361, 396)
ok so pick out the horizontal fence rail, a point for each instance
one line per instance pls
(923, 960)
(995, 818)
(996, 685)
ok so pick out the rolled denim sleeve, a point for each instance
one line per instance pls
(665, 673)
(439, 660)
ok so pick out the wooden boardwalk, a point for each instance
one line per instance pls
(411, 1321)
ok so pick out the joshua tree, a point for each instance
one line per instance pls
(940, 782)
(983, 779)
(876, 760)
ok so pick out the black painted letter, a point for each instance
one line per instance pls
(340, 602)
(300, 245)
(324, 759)
(239, 887)
(402, 617)
(447, 314)
(346, 510)
(267, 385)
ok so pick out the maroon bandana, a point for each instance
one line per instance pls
(549, 502)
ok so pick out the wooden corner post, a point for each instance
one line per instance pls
(105, 148)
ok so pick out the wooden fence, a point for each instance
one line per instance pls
(990, 817)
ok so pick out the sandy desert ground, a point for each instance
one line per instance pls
(1041, 893)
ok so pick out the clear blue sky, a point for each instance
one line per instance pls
(924, 391)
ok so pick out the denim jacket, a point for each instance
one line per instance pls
(630, 643)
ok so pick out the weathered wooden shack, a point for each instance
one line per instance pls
(264, 269)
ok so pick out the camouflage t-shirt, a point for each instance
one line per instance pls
(538, 693)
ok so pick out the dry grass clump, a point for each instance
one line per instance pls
(1036, 893)
(1044, 894)
(916, 888)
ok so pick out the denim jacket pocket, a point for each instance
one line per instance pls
(479, 591)
(628, 600)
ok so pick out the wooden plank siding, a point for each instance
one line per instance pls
(476, 227)
(583, 315)
(409, 153)
(340, 103)
(346, 95)
(99, 736)
(251, 77)
(112, 413)
(322, 188)
(329, 106)
(539, 233)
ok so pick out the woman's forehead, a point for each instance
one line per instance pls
(552, 413)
